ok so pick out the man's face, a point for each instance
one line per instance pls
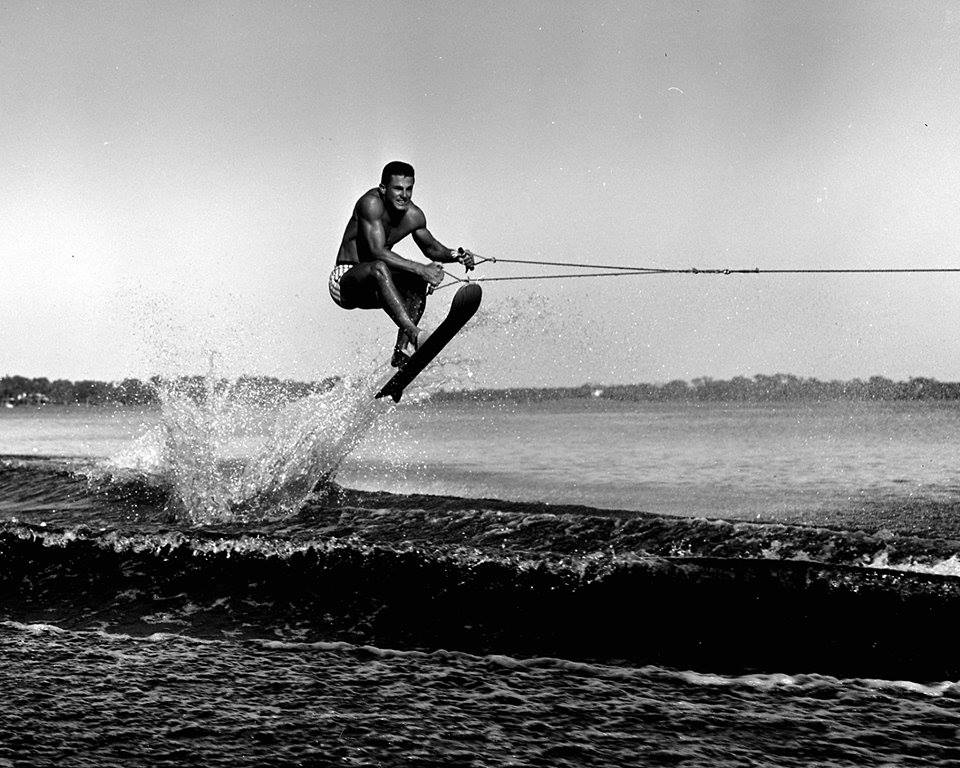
(398, 192)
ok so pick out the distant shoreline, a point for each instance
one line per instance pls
(21, 390)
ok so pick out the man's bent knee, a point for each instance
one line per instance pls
(380, 271)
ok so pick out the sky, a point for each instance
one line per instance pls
(177, 177)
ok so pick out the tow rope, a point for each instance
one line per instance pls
(624, 270)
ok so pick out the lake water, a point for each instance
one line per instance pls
(340, 582)
(782, 461)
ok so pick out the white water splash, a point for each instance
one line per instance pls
(233, 454)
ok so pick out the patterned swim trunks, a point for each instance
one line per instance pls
(334, 284)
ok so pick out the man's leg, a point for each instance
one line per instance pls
(413, 292)
(373, 285)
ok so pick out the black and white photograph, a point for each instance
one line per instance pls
(495, 384)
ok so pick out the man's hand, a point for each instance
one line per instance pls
(467, 258)
(433, 273)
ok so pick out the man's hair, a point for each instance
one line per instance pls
(395, 168)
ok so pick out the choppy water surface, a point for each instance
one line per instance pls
(324, 583)
(96, 699)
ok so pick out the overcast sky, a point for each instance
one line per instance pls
(177, 175)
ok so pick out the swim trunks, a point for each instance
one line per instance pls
(334, 284)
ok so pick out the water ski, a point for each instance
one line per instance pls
(463, 307)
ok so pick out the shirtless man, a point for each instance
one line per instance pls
(369, 275)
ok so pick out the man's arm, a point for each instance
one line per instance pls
(434, 250)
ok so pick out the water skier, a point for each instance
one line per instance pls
(369, 275)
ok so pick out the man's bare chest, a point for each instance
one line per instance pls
(394, 232)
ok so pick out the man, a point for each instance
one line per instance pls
(369, 275)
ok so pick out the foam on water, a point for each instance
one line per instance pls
(949, 566)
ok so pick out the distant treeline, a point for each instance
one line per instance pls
(780, 386)
(24, 390)
(761, 387)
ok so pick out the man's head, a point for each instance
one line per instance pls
(396, 184)
(395, 168)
